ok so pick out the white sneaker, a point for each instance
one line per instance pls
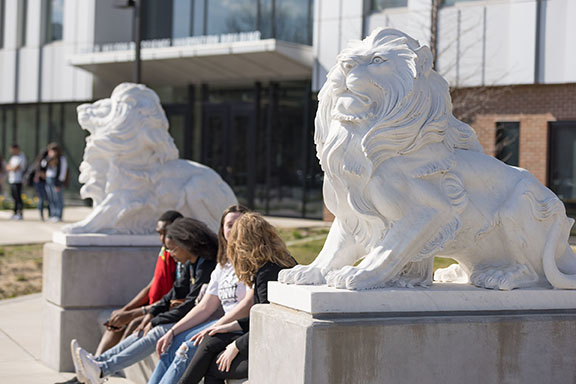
(77, 366)
(90, 367)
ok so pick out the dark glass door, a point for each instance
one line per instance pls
(228, 137)
(562, 163)
(179, 120)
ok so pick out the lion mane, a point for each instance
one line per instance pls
(409, 111)
(131, 169)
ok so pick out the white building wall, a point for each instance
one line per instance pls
(8, 53)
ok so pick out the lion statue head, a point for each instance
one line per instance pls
(114, 139)
(382, 99)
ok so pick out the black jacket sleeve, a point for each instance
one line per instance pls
(202, 276)
(242, 343)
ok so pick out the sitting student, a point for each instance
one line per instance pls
(258, 254)
(191, 243)
(224, 290)
(161, 283)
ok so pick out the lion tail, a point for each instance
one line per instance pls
(558, 233)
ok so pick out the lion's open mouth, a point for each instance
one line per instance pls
(351, 107)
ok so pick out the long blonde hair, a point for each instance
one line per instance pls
(252, 243)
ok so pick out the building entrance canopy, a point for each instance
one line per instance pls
(268, 59)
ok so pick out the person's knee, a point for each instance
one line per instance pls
(182, 352)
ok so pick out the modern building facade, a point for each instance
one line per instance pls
(238, 79)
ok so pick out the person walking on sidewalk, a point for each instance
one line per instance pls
(16, 168)
(56, 172)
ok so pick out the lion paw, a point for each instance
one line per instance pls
(302, 275)
(350, 277)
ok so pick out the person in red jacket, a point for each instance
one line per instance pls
(123, 321)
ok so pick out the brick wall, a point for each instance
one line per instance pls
(533, 106)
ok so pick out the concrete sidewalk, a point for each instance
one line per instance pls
(21, 318)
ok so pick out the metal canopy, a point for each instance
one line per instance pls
(213, 63)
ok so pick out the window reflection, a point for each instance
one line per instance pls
(288, 20)
(55, 20)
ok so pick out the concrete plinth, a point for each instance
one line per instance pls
(79, 283)
(423, 336)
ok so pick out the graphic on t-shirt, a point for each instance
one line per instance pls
(227, 290)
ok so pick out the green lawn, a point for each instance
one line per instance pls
(20, 270)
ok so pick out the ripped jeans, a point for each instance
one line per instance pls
(173, 362)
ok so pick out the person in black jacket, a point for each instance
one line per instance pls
(257, 253)
(194, 245)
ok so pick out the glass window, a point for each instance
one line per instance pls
(182, 16)
(23, 23)
(231, 16)
(73, 142)
(265, 19)
(562, 167)
(452, 2)
(380, 5)
(26, 130)
(157, 19)
(508, 142)
(292, 21)
(199, 27)
(9, 128)
(1, 24)
(55, 20)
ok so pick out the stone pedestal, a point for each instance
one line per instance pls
(81, 280)
(446, 334)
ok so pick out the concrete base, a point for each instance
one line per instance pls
(403, 345)
(79, 283)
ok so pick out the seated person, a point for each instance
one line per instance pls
(194, 245)
(257, 254)
(161, 284)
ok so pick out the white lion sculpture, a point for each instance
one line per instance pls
(407, 181)
(131, 169)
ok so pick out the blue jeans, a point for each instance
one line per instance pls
(131, 350)
(55, 198)
(173, 363)
(40, 188)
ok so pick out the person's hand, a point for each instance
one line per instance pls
(211, 331)
(164, 342)
(145, 326)
(57, 189)
(197, 338)
(225, 359)
(120, 318)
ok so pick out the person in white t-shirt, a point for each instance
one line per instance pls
(56, 171)
(16, 168)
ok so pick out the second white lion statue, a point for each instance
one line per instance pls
(131, 169)
(407, 182)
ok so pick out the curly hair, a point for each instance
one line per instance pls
(194, 236)
(222, 243)
(254, 242)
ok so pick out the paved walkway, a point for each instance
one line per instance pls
(21, 318)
